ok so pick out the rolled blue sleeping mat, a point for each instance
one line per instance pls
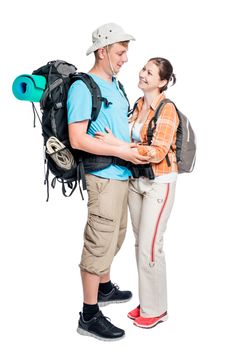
(28, 87)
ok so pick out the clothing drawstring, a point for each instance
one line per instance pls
(110, 63)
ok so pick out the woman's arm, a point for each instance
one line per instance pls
(79, 139)
(109, 138)
(163, 135)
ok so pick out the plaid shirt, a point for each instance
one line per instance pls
(164, 136)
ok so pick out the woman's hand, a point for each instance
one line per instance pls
(108, 138)
(130, 153)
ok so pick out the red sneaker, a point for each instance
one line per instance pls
(150, 322)
(134, 313)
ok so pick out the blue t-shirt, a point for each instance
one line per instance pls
(114, 117)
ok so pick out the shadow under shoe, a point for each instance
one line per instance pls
(114, 296)
(100, 328)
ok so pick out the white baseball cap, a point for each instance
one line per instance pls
(108, 34)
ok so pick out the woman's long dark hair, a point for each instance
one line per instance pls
(165, 71)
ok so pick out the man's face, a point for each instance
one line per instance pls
(118, 55)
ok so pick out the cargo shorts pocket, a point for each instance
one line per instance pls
(98, 234)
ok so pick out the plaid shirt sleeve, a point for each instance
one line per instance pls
(163, 135)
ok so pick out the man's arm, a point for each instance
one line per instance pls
(79, 139)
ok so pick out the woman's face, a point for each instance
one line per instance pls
(149, 78)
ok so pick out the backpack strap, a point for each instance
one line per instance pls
(131, 111)
(97, 100)
(125, 95)
(94, 91)
(48, 90)
(153, 124)
(72, 186)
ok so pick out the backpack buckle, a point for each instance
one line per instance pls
(58, 105)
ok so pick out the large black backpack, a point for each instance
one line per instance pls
(65, 163)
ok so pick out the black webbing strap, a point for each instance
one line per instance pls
(81, 177)
(46, 181)
(69, 185)
(35, 113)
(125, 95)
(168, 161)
(134, 107)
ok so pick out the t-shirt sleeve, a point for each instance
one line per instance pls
(79, 103)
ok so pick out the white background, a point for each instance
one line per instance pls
(41, 293)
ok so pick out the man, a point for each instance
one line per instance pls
(107, 189)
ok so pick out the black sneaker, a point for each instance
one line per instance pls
(99, 327)
(114, 296)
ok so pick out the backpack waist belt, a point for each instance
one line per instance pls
(94, 162)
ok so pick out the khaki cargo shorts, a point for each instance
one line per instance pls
(106, 225)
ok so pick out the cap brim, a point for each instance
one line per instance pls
(118, 39)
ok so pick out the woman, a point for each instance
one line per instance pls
(151, 201)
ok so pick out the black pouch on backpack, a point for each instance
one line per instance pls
(144, 170)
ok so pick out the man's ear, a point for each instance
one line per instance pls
(101, 53)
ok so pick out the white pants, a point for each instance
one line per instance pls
(150, 205)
